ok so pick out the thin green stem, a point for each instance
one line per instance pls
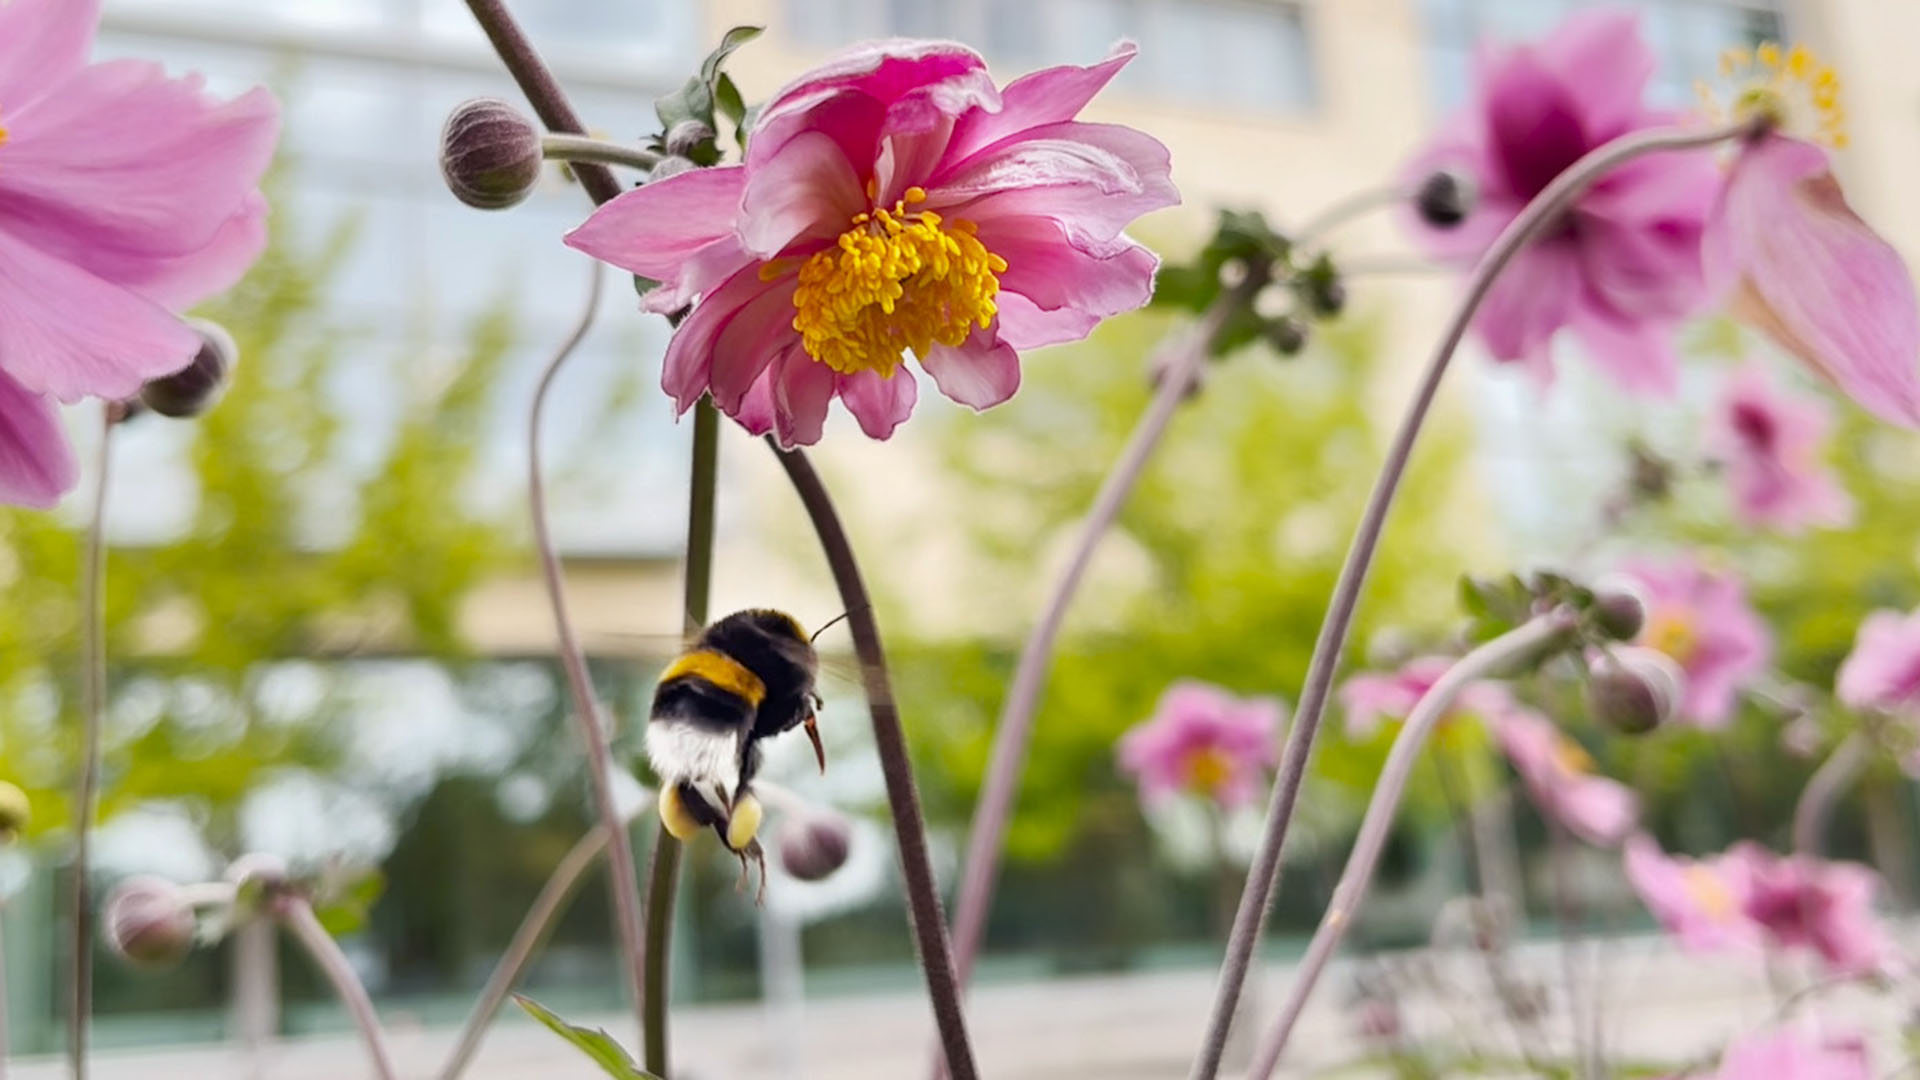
(584, 149)
(1540, 216)
(663, 869)
(93, 703)
(890, 743)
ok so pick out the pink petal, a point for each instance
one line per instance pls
(1094, 178)
(810, 191)
(1647, 267)
(1025, 325)
(847, 96)
(689, 368)
(1534, 297)
(653, 229)
(41, 42)
(1046, 268)
(802, 389)
(1534, 125)
(1800, 264)
(69, 334)
(120, 168)
(1048, 96)
(979, 374)
(1598, 810)
(1638, 355)
(880, 404)
(757, 332)
(1605, 63)
(36, 465)
(756, 409)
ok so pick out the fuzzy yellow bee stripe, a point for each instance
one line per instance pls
(722, 671)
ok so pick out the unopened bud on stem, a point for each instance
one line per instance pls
(149, 922)
(813, 846)
(15, 811)
(1444, 199)
(197, 387)
(490, 154)
(1634, 690)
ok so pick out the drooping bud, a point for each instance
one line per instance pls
(1444, 199)
(149, 922)
(815, 845)
(15, 811)
(687, 136)
(490, 154)
(1634, 690)
(195, 388)
(1618, 613)
(671, 165)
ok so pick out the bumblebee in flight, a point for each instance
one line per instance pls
(747, 677)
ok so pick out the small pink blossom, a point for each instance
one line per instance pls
(1560, 780)
(1782, 1054)
(1373, 697)
(1701, 902)
(893, 199)
(125, 198)
(1769, 442)
(1624, 269)
(1883, 671)
(1701, 618)
(1792, 257)
(1204, 741)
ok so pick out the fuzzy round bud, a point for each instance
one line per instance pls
(197, 387)
(1633, 690)
(15, 811)
(1286, 334)
(1618, 613)
(149, 922)
(670, 165)
(1444, 199)
(1328, 295)
(687, 136)
(814, 846)
(490, 154)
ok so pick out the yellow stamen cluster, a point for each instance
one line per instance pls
(1208, 770)
(1572, 758)
(1798, 92)
(897, 280)
(1707, 890)
(1673, 634)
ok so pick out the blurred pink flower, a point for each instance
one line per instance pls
(1786, 1055)
(1204, 741)
(1795, 260)
(125, 197)
(1883, 671)
(1559, 777)
(892, 199)
(1624, 269)
(1769, 442)
(1701, 902)
(1701, 618)
(1372, 697)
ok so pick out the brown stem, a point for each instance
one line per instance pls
(296, 914)
(93, 703)
(923, 895)
(1824, 788)
(543, 91)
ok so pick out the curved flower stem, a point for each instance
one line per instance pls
(1530, 639)
(543, 91)
(1538, 217)
(93, 703)
(1014, 732)
(594, 730)
(578, 149)
(1822, 793)
(1347, 209)
(296, 914)
(890, 742)
(663, 867)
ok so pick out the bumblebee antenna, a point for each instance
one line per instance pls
(824, 627)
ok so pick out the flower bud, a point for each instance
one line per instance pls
(670, 166)
(1444, 199)
(687, 136)
(149, 922)
(1634, 690)
(197, 387)
(815, 845)
(1618, 613)
(490, 154)
(1286, 334)
(15, 811)
(1321, 287)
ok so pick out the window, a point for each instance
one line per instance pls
(1687, 35)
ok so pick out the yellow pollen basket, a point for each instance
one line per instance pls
(1674, 635)
(1800, 94)
(897, 279)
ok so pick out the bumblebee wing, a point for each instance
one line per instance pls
(696, 737)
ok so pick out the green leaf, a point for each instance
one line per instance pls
(599, 1046)
(344, 904)
(729, 41)
(727, 100)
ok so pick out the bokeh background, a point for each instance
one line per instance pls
(329, 642)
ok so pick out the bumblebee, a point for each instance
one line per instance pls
(747, 677)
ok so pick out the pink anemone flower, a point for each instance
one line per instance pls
(1787, 1055)
(1560, 779)
(1883, 671)
(891, 200)
(1701, 902)
(1701, 618)
(1824, 907)
(125, 198)
(1204, 741)
(1769, 442)
(1371, 698)
(1623, 270)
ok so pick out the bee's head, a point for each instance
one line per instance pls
(763, 638)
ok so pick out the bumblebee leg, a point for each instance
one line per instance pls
(674, 815)
(760, 859)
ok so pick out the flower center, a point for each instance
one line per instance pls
(1709, 893)
(897, 279)
(1674, 635)
(1209, 769)
(1798, 93)
(1572, 758)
